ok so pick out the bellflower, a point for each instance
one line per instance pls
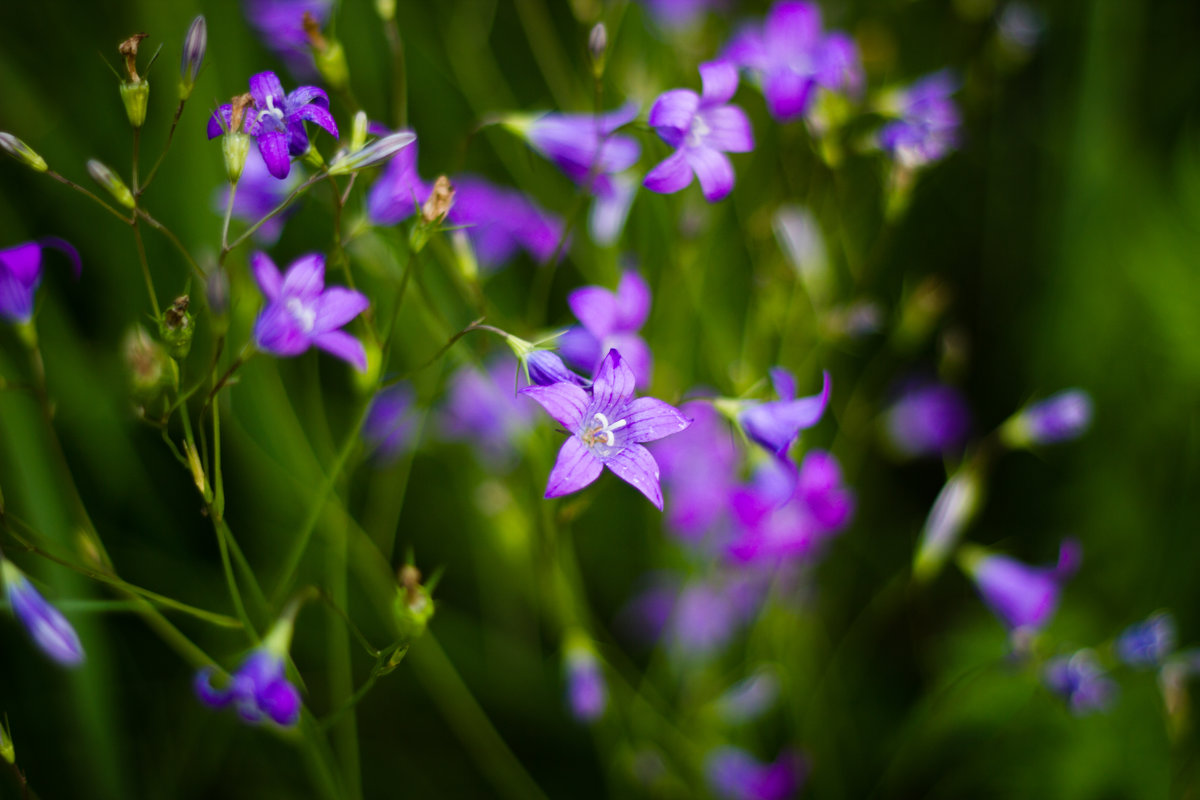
(680, 14)
(953, 509)
(280, 25)
(699, 467)
(48, 628)
(301, 312)
(587, 694)
(482, 408)
(258, 193)
(611, 320)
(21, 272)
(792, 59)
(701, 128)
(607, 430)
(929, 418)
(707, 614)
(1148, 643)
(734, 774)
(259, 690)
(1058, 418)
(1023, 597)
(1080, 680)
(927, 126)
(776, 424)
(389, 425)
(278, 123)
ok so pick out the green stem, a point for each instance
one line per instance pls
(399, 80)
(174, 240)
(225, 248)
(141, 248)
(72, 184)
(166, 147)
(279, 209)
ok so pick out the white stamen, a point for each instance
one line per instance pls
(603, 430)
(270, 110)
(307, 317)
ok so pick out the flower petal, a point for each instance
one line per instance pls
(747, 49)
(64, 247)
(220, 121)
(613, 384)
(787, 93)
(775, 425)
(651, 419)
(209, 694)
(670, 175)
(672, 114)
(319, 115)
(280, 701)
(634, 465)
(304, 95)
(713, 169)
(633, 301)
(344, 346)
(273, 145)
(267, 91)
(265, 274)
(792, 26)
(596, 308)
(338, 306)
(720, 80)
(305, 277)
(565, 402)
(23, 262)
(728, 129)
(634, 352)
(610, 210)
(574, 469)
(276, 331)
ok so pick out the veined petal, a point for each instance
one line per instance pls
(728, 129)
(651, 419)
(305, 277)
(574, 469)
(634, 465)
(614, 382)
(720, 80)
(265, 274)
(565, 402)
(672, 114)
(713, 169)
(670, 175)
(320, 116)
(220, 121)
(273, 145)
(267, 91)
(338, 306)
(305, 95)
(596, 308)
(344, 346)
(633, 301)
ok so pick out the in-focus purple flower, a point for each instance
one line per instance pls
(1023, 597)
(699, 467)
(680, 14)
(734, 774)
(389, 427)
(48, 628)
(610, 320)
(484, 409)
(1059, 418)
(301, 312)
(546, 368)
(277, 121)
(927, 126)
(792, 59)
(928, 418)
(280, 25)
(1080, 680)
(607, 430)
(21, 272)
(258, 193)
(259, 690)
(776, 424)
(702, 129)
(587, 694)
(1147, 643)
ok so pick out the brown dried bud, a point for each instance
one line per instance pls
(176, 316)
(440, 201)
(410, 579)
(238, 113)
(312, 29)
(129, 49)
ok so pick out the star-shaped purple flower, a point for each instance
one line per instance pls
(277, 121)
(21, 272)
(611, 321)
(702, 128)
(607, 428)
(776, 424)
(301, 312)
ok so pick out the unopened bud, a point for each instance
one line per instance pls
(440, 200)
(1059, 418)
(150, 368)
(328, 54)
(413, 606)
(598, 47)
(194, 45)
(197, 470)
(104, 176)
(21, 152)
(386, 9)
(176, 328)
(376, 152)
(358, 131)
(955, 508)
(234, 149)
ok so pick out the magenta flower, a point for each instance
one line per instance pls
(301, 312)
(927, 128)
(607, 429)
(48, 628)
(21, 272)
(702, 128)
(611, 321)
(776, 424)
(277, 124)
(1023, 597)
(734, 774)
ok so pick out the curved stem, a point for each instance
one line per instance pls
(72, 184)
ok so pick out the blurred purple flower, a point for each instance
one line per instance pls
(301, 312)
(1059, 418)
(1023, 597)
(702, 128)
(734, 774)
(792, 59)
(587, 694)
(21, 272)
(259, 690)
(927, 128)
(389, 426)
(928, 418)
(607, 429)
(699, 466)
(776, 424)
(610, 320)
(679, 14)
(696, 618)
(1147, 643)
(258, 193)
(48, 628)
(278, 123)
(483, 408)
(1080, 681)
(399, 191)
(280, 25)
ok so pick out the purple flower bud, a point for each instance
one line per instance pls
(954, 509)
(194, 46)
(1148, 643)
(1058, 418)
(21, 272)
(1023, 597)
(1080, 681)
(47, 627)
(734, 774)
(598, 45)
(587, 694)
(259, 690)
(927, 419)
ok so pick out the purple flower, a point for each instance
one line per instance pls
(701, 128)
(927, 128)
(699, 467)
(483, 408)
(611, 320)
(707, 614)
(301, 312)
(259, 690)
(1023, 597)
(929, 418)
(679, 14)
(546, 368)
(278, 123)
(792, 58)
(607, 429)
(1059, 418)
(258, 193)
(21, 272)
(587, 694)
(1080, 681)
(47, 627)
(1148, 643)
(280, 25)
(775, 425)
(734, 774)
(389, 425)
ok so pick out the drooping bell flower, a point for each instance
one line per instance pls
(21, 273)
(610, 320)
(259, 689)
(734, 774)
(1023, 597)
(46, 625)
(776, 424)
(1080, 680)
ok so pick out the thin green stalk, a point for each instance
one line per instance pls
(341, 678)
(170, 137)
(399, 79)
(174, 240)
(279, 209)
(72, 184)
(141, 248)
(544, 42)
(225, 248)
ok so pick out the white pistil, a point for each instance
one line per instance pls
(270, 110)
(603, 429)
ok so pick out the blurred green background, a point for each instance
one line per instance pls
(1066, 230)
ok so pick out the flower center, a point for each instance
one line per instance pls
(272, 112)
(305, 317)
(601, 430)
(697, 131)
